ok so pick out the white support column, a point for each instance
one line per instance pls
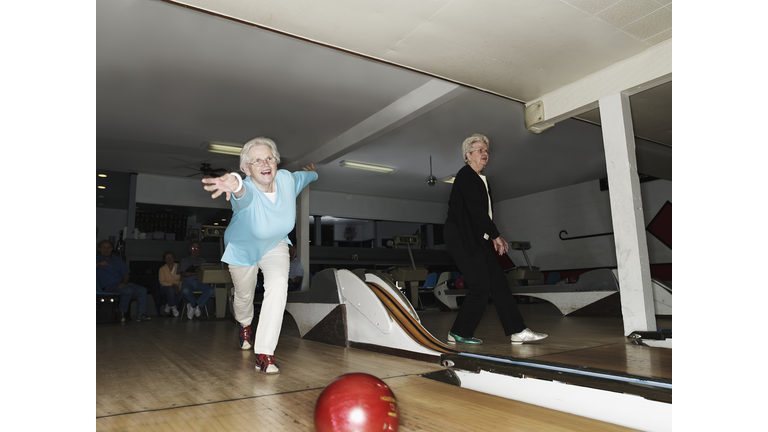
(627, 214)
(302, 233)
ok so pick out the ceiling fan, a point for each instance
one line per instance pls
(206, 170)
(431, 180)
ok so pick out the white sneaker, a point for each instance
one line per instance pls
(166, 309)
(175, 311)
(527, 335)
(190, 311)
(197, 311)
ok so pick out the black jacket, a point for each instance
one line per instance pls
(468, 208)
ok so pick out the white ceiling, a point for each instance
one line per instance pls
(369, 81)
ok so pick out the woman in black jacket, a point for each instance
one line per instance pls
(467, 230)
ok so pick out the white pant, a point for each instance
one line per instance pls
(274, 265)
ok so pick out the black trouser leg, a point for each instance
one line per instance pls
(509, 315)
(484, 279)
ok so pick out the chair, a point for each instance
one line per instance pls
(553, 278)
(428, 287)
(430, 282)
(103, 298)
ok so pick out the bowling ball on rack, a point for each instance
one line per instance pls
(460, 284)
(356, 402)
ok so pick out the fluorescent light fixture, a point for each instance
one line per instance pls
(102, 175)
(101, 187)
(449, 179)
(367, 167)
(227, 149)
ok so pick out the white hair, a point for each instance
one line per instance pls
(245, 157)
(466, 146)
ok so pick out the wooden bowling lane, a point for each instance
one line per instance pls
(632, 359)
(168, 375)
(597, 342)
(165, 364)
(423, 404)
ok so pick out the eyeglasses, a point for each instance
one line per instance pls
(268, 160)
(488, 152)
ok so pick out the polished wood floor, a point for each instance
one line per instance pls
(171, 375)
(597, 342)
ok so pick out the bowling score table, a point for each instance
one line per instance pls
(221, 281)
(410, 277)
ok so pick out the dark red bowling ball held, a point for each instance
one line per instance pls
(356, 402)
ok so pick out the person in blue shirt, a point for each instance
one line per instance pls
(113, 276)
(264, 212)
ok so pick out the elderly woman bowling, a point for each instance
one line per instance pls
(264, 212)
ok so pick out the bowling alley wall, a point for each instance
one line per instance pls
(569, 228)
(584, 212)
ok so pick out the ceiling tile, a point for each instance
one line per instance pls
(627, 11)
(661, 37)
(424, 51)
(366, 27)
(650, 25)
(591, 6)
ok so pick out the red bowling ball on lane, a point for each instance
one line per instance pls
(356, 402)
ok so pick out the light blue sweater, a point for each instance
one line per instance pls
(258, 224)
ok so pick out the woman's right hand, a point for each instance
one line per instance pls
(218, 185)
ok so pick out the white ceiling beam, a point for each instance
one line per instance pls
(648, 69)
(425, 98)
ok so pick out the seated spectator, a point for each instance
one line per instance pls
(189, 283)
(170, 278)
(113, 276)
(296, 272)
